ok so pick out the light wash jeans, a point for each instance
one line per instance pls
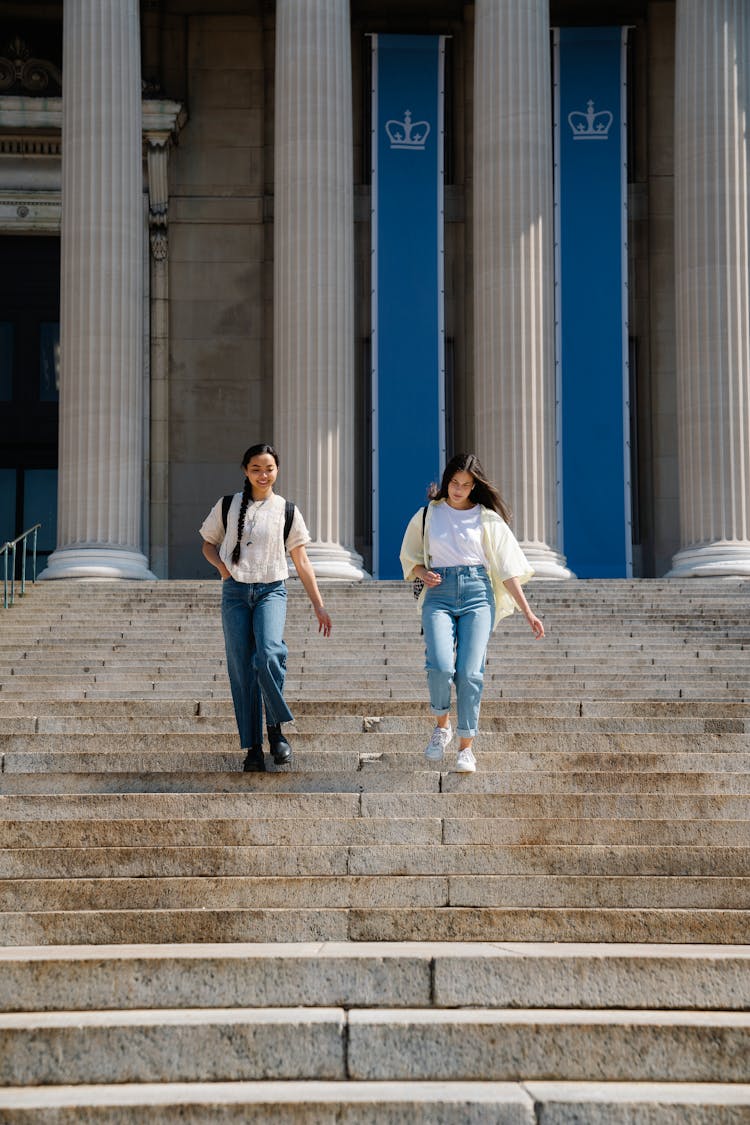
(457, 619)
(253, 615)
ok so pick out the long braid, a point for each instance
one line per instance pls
(247, 495)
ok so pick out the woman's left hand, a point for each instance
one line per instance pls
(324, 621)
(536, 626)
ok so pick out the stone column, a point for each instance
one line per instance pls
(514, 318)
(101, 392)
(314, 276)
(712, 211)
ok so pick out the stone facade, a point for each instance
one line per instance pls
(228, 181)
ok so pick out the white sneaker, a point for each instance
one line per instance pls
(439, 740)
(466, 762)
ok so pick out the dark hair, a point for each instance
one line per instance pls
(484, 491)
(247, 491)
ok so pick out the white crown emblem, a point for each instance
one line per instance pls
(407, 133)
(590, 126)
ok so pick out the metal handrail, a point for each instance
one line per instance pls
(9, 549)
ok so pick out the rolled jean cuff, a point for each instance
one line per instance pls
(465, 733)
(439, 710)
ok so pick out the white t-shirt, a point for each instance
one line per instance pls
(456, 536)
(262, 550)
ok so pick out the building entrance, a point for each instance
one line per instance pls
(29, 386)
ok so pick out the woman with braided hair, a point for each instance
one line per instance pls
(247, 543)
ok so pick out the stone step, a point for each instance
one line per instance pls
(144, 662)
(256, 831)
(388, 710)
(194, 761)
(262, 800)
(150, 724)
(395, 975)
(427, 778)
(160, 860)
(358, 831)
(343, 892)
(392, 1103)
(503, 924)
(380, 1044)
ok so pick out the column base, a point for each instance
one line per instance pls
(96, 562)
(329, 560)
(546, 562)
(720, 559)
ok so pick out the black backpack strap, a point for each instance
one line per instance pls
(226, 503)
(424, 519)
(288, 519)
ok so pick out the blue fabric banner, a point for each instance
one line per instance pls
(591, 199)
(408, 350)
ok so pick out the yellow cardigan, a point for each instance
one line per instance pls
(505, 559)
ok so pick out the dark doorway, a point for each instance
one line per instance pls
(29, 386)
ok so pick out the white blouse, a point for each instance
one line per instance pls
(262, 550)
(456, 537)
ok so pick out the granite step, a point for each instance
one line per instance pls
(392, 1103)
(499, 924)
(356, 831)
(372, 776)
(361, 799)
(380, 1044)
(159, 860)
(392, 975)
(342, 891)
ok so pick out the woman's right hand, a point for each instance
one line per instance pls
(430, 577)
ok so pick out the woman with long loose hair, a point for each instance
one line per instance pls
(472, 567)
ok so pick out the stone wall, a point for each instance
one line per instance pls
(220, 371)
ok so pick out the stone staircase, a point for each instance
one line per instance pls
(562, 937)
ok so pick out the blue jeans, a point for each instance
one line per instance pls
(457, 619)
(253, 615)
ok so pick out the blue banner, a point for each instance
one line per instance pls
(408, 349)
(591, 199)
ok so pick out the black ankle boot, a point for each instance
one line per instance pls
(254, 761)
(280, 748)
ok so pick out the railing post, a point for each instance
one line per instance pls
(24, 542)
(5, 551)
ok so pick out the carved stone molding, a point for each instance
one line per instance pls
(22, 144)
(158, 141)
(30, 211)
(21, 73)
(31, 128)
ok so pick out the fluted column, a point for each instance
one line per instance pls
(712, 309)
(314, 276)
(513, 269)
(101, 338)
